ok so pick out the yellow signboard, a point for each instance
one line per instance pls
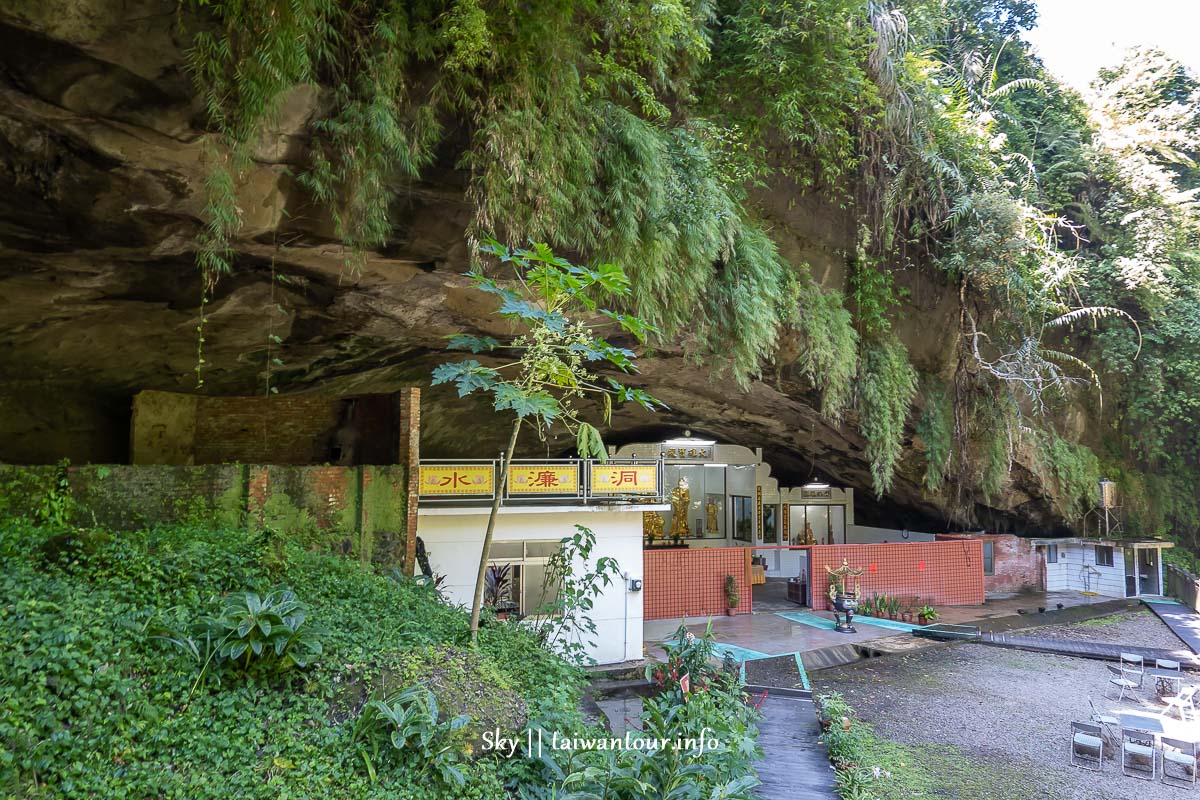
(624, 479)
(457, 479)
(543, 479)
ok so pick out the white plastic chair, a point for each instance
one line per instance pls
(1109, 725)
(1167, 664)
(1182, 754)
(1085, 740)
(1184, 701)
(1134, 664)
(1137, 745)
(1123, 679)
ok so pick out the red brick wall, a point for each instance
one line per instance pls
(691, 583)
(938, 573)
(1015, 562)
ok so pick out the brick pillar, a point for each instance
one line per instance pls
(409, 453)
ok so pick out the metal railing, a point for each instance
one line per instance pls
(550, 481)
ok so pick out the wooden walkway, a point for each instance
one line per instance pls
(1182, 621)
(795, 764)
(1078, 649)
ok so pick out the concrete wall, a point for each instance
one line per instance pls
(171, 428)
(1016, 563)
(863, 534)
(453, 539)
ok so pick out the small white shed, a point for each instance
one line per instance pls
(1107, 567)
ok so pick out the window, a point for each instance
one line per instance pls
(1104, 556)
(989, 558)
(1051, 554)
(520, 568)
(743, 518)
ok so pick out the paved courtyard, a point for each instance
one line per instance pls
(765, 632)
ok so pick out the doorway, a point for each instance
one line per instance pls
(1147, 560)
(1130, 573)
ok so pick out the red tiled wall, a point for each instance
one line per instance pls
(1016, 563)
(939, 573)
(690, 583)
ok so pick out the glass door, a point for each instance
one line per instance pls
(1130, 573)
(1148, 570)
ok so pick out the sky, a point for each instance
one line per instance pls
(1075, 38)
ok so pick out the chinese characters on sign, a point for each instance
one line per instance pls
(543, 479)
(693, 453)
(624, 479)
(457, 479)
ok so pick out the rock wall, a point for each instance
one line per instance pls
(103, 157)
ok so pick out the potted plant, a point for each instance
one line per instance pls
(868, 608)
(906, 612)
(497, 583)
(893, 607)
(731, 595)
(927, 614)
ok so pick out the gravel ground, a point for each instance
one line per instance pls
(1007, 712)
(779, 671)
(1141, 628)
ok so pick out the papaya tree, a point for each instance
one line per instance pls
(548, 366)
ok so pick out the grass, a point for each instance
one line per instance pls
(1111, 619)
(935, 772)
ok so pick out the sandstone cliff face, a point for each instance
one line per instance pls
(102, 163)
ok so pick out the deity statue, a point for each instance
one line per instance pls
(710, 509)
(652, 526)
(809, 538)
(681, 498)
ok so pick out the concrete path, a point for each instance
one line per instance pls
(1182, 621)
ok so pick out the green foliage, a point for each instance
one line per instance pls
(793, 69)
(93, 705)
(936, 429)
(886, 386)
(729, 587)
(555, 353)
(1075, 470)
(818, 337)
(712, 724)
(249, 629)
(409, 722)
(565, 623)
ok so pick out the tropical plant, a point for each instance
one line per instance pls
(272, 629)
(408, 721)
(731, 592)
(564, 623)
(498, 583)
(553, 359)
(928, 613)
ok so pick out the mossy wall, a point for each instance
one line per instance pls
(358, 512)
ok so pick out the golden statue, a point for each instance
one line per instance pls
(681, 498)
(652, 525)
(710, 509)
(809, 538)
